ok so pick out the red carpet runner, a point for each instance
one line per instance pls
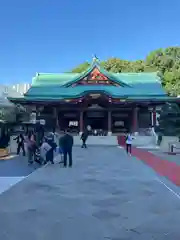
(163, 167)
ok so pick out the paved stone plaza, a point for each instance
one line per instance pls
(14, 170)
(106, 195)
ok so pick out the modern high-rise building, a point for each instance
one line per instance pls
(21, 87)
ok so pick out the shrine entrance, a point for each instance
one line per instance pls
(97, 118)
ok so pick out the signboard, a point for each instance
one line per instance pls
(33, 117)
(73, 123)
(42, 121)
(95, 96)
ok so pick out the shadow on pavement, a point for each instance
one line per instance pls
(17, 166)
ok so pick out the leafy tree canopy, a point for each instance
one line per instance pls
(81, 68)
(166, 61)
(169, 120)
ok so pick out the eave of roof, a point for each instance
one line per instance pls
(130, 98)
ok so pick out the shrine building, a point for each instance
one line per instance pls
(112, 102)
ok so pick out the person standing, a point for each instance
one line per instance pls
(61, 149)
(50, 152)
(67, 142)
(129, 139)
(31, 146)
(84, 138)
(20, 144)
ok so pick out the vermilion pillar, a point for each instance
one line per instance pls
(81, 122)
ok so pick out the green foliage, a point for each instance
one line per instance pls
(165, 61)
(81, 68)
(7, 114)
(169, 120)
(12, 114)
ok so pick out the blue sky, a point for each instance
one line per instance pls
(57, 35)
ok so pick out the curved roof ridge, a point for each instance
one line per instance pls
(95, 64)
(136, 73)
(55, 73)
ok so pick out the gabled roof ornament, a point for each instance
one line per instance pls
(95, 60)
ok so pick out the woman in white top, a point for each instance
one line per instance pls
(44, 149)
(129, 140)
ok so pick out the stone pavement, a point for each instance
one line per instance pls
(14, 170)
(162, 155)
(164, 164)
(106, 195)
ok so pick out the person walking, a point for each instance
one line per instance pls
(129, 139)
(67, 142)
(84, 138)
(20, 144)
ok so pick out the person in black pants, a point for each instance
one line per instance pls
(67, 144)
(50, 153)
(129, 140)
(84, 138)
(128, 148)
(20, 144)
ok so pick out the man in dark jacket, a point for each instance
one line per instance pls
(67, 144)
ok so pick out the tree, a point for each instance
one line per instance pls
(114, 65)
(14, 113)
(22, 114)
(169, 120)
(81, 68)
(7, 114)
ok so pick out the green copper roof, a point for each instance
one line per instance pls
(67, 78)
(63, 92)
(49, 86)
(53, 78)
